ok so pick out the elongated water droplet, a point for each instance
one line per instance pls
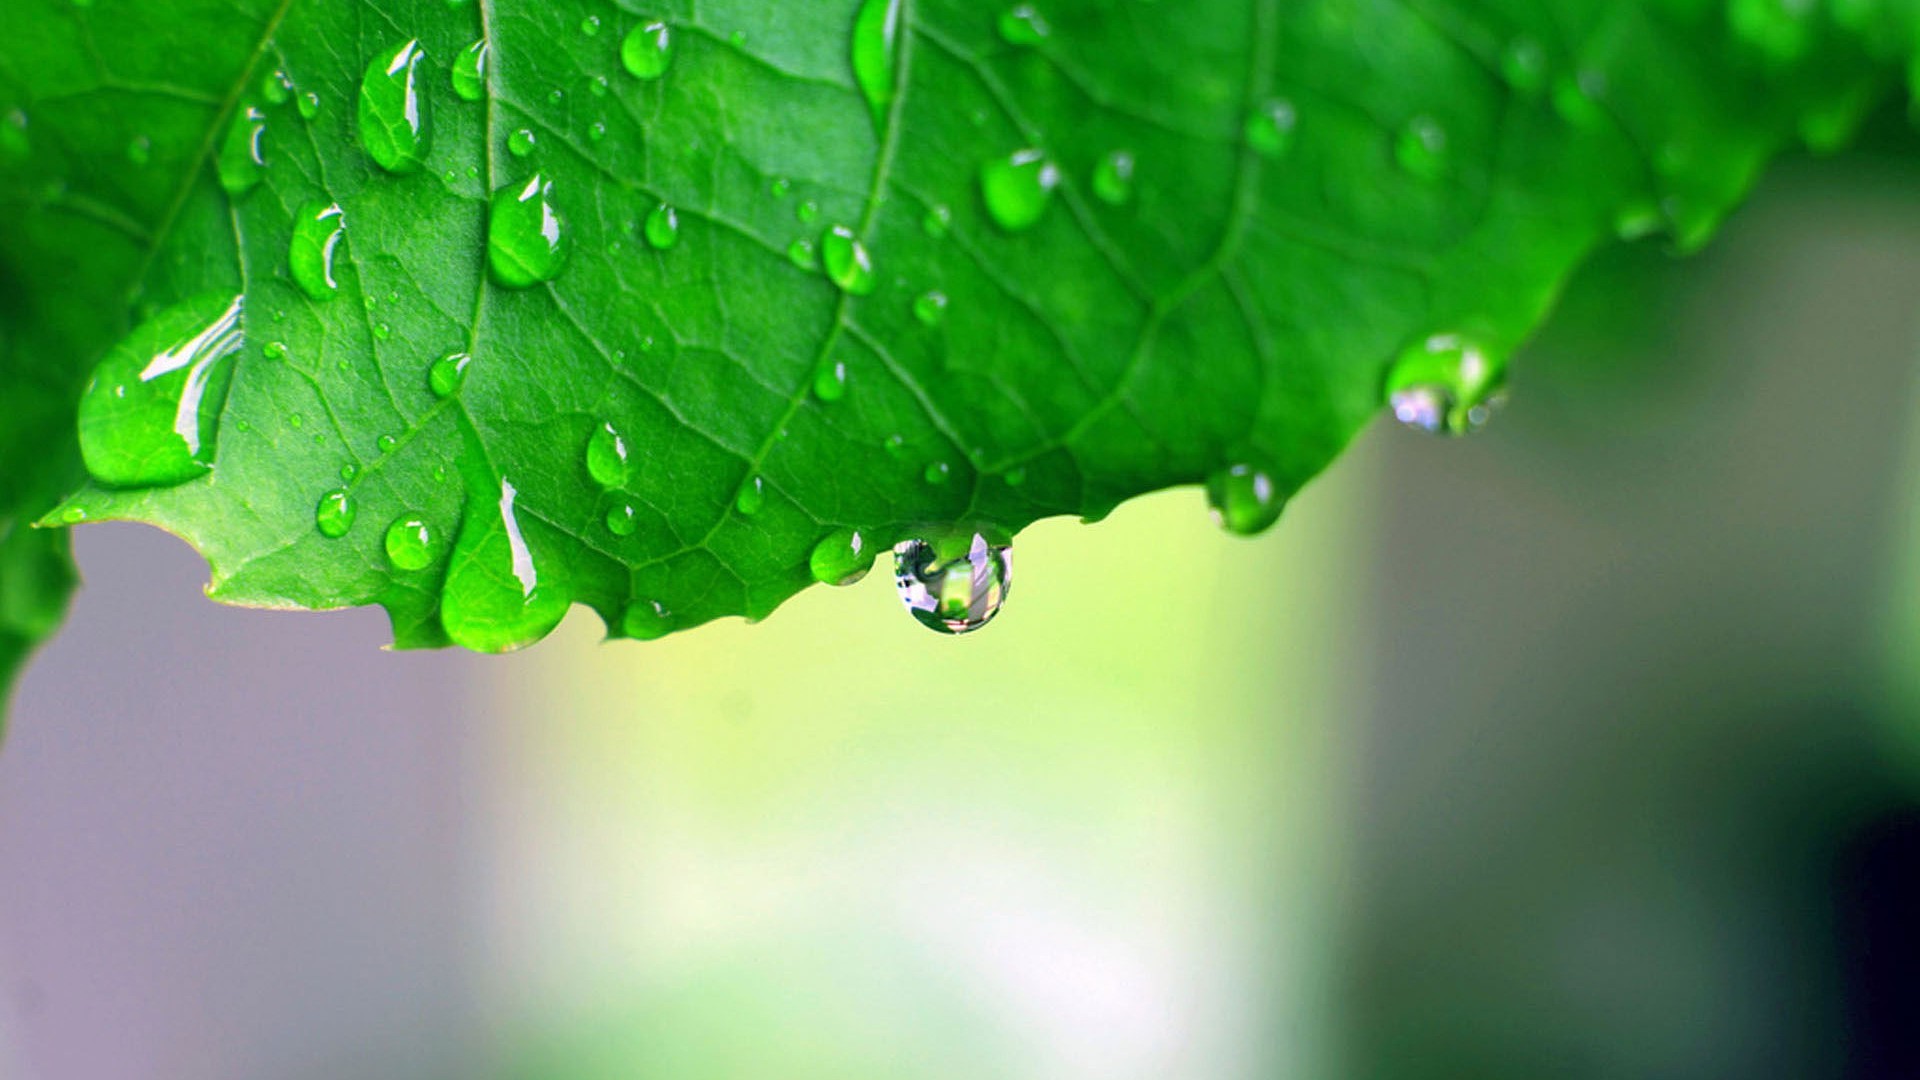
(504, 590)
(1018, 188)
(394, 123)
(930, 307)
(1244, 499)
(1422, 148)
(662, 229)
(646, 620)
(1022, 25)
(847, 262)
(751, 497)
(1446, 385)
(607, 457)
(243, 159)
(647, 50)
(151, 414)
(830, 381)
(1269, 127)
(875, 52)
(316, 234)
(333, 515)
(446, 375)
(841, 558)
(953, 592)
(1113, 178)
(410, 543)
(527, 241)
(469, 74)
(521, 142)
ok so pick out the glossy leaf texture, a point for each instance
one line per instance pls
(639, 306)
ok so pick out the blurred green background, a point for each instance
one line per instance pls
(1583, 749)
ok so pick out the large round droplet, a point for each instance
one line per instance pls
(1446, 385)
(243, 156)
(393, 113)
(953, 592)
(876, 32)
(151, 413)
(504, 589)
(333, 515)
(410, 543)
(1018, 188)
(317, 230)
(1269, 127)
(607, 456)
(1244, 498)
(647, 50)
(847, 262)
(527, 240)
(841, 558)
(446, 375)
(469, 74)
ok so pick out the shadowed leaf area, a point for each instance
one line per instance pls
(479, 310)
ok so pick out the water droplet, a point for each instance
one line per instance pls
(876, 32)
(841, 558)
(1422, 148)
(503, 590)
(1244, 499)
(348, 472)
(1022, 25)
(607, 456)
(296, 421)
(1015, 476)
(1018, 188)
(382, 331)
(1113, 178)
(806, 212)
(274, 350)
(780, 188)
(647, 50)
(276, 87)
(646, 620)
(1577, 99)
(308, 105)
(662, 229)
(1269, 128)
(527, 239)
(333, 515)
(1446, 385)
(140, 150)
(937, 473)
(72, 515)
(242, 159)
(151, 413)
(751, 497)
(896, 445)
(469, 73)
(410, 543)
(1524, 65)
(596, 131)
(737, 38)
(830, 381)
(520, 143)
(622, 519)
(446, 375)
(930, 308)
(938, 220)
(316, 233)
(590, 26)
(847, 262)
(393, 113)
(953, 594)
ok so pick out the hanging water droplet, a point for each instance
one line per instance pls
(504, 590)
(930, 307)
(622, 519)
(662, 229)
(469, 73)
(393, 113)
(333, 515)
(953, 593)
(1022, 25)
(242, 159)
(751, 497)
(1524, 65)
(308, 105)
(801, 254)
(847, 262)
(316, 234)
(1113, 178)
(1018, 188)
(1244, 499)
(647, 50)
(830, 381)
(841, 558)
(151, 413)
(276, 87)
(607, 457)
(410, 542)
(527, 241)
(875, 51)
(1446, 385)
(1422, 148)
(1269, 127)
(646, 620)
(938, 220)
(520, 143)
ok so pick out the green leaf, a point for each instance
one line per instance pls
(637, 308)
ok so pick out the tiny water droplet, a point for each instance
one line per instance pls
(382, 331)
(1446, 385)
(647, 50)
(410, 543)
(334, 514)
(737, 38)
(316, 234)
(646, 620)
(1015, 476)
(1018, 188)
(622, 519)
(596, 131)
(393, 113)
(151, 413)
(274, 350)
(1244, 499)
(469, 72)
(847, 262)
(751, 497)
(662, 229)
(607, 456)
(830, 381)
(930, 307)
(276, 87)
(842, 557)
(1022, 25)
(1269, 127)
(503, 590)
(598, 86)
(72, 515)
(1113, 178)
(527, 239)
(780, 188)
(296, 421)
(348, 472)
(242, 159)
(806, 212)
(590, 26)
(308, 105)
(896, 445)
(521, 142)
(876, 32)
(937, 473)
(446, 375)
(386, 444)
(140, 150)
(1422, 148)
(938, 220)
(954, 594)
(1524, 65)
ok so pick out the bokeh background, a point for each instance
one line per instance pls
(1586, 748)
